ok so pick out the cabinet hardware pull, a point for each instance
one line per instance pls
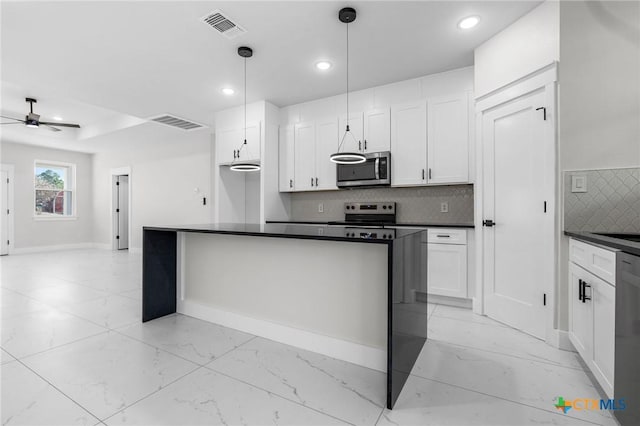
(365, 144)
(311, 181)
(316, 181)
(359, 145)
(234, 153)
(580, 282)
(584, 292)
(429, 173)
(422, 174)
(443, 236)
(290, 183)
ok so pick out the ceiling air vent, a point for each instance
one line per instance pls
(223, 24)
(173, 121)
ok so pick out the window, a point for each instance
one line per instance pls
(54, 185)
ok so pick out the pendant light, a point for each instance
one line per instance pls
(347, 15)
(244, 52)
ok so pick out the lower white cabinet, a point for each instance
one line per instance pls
(592, 312)
(447, 262)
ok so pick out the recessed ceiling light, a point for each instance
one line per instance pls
(468, 22)
(228, 91)
(57, 118)
(323, 65)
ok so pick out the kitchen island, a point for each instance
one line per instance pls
(342, 292)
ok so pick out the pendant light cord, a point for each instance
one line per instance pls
(347, 130)
(245, 100)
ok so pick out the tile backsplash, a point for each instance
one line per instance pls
(415, 205)
(611, 202)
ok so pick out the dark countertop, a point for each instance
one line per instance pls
(617, 243)
(395, 225)
(298, 231)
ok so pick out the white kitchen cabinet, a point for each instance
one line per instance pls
(448, 139)
(409, 144)
(592, 311)
(229, 144)
(286, 159)
(377, 130)
(326, 143)
(447, 262)
(305, 145)
(356, 128)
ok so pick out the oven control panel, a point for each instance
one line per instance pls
(378, 207)
(370, 233)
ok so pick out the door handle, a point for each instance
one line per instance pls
(488, 223)
(584, 292)
(376, 166)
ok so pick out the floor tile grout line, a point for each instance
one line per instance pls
(505, 399)
(510, 355)
(379, 417)
(58, 389)
(60, 346)
(197, 367)
(275, 394)
(232, 349)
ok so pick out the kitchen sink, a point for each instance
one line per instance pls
(629, 237)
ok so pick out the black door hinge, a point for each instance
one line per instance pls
(488, 222)
(544, 299)
(117, 237)
(8, 242)
(7, 211)
(544, 112)
(117, 210)
(117, 183)
(7, 180)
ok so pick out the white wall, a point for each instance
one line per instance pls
(167, 165)
(30, 233)
(525, 46)
(599, 97)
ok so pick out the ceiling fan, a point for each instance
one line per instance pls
(33, 120)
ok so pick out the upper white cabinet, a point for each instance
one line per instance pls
(326, 144)
(286, 159)
(377, 130)
(229, 144)
(371, 131)
(409, 144)
(305, 147)
(448, 139)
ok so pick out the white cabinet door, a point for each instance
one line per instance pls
(326, 144)
(580, 314)
(603, 298)
(286, 159)
(356, 129)
(409, 144)
(448, 139)
(304, 142)
(251, 151)
(227, 144)
(377, 130)
(447, 270)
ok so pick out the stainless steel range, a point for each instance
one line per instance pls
(369, 220)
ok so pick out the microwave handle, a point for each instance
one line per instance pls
(377, 168)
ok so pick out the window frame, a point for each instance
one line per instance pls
(72, 189)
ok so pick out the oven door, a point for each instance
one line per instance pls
(375, 171)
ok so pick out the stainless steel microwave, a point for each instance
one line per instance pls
(375, 171)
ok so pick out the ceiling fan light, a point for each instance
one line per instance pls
(32, 123)
(347, 158)
(244, 167)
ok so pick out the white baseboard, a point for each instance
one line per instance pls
(41, 249)
(355, 353)
(102, 246)
(560, 339)
(446, 300)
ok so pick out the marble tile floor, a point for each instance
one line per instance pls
(74, 352)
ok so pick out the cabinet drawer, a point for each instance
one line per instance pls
(599, 261)
(447, 236)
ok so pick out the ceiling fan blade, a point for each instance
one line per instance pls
(53, 129)
(47, 123)
(11, 118)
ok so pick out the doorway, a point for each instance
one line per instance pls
(6, 209)
(518, 213)
(120, 208)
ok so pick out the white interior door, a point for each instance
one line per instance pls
(517, 169)
(4, 213)
(123, 212)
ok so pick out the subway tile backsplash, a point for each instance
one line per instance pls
(415, 205)
(611, 202)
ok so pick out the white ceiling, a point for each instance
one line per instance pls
(141, 59)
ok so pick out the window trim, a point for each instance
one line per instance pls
(72, 189)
